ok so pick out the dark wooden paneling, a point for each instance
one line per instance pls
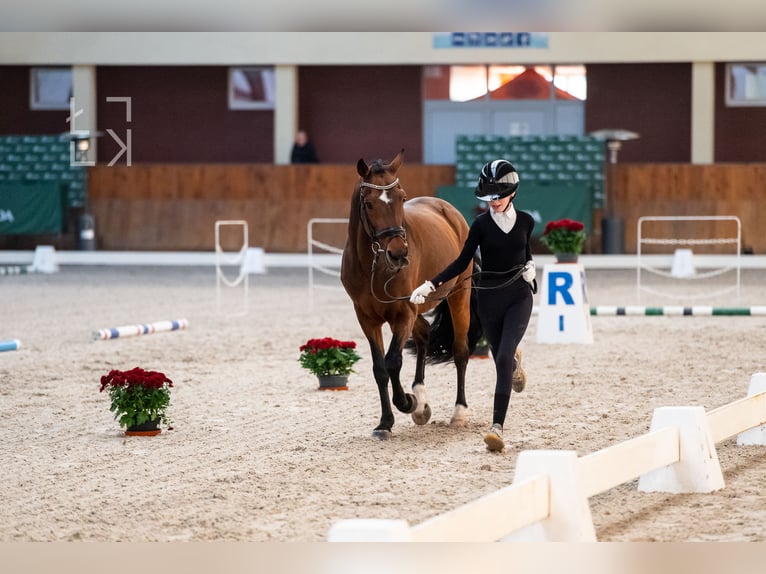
(179, 114)
(16, 117)
(738, 130)
(653, 100)
(701, 190)
(175, 207)
(362, 111)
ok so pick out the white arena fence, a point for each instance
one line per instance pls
(548, 499)
(686, 250)
(238, 259)
(327, 260)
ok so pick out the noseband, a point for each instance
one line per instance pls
(395, 231)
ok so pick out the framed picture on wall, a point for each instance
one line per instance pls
(50, 88)
(252, 88)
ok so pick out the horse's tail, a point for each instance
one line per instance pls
(442, 334)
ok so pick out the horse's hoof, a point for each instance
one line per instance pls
(424, 417)
(381, 434)
(459, 417)
(413, 404)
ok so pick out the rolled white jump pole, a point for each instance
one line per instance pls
(140, 329)
(10, 345)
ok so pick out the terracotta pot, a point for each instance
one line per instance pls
(333, 382)
(566, 257)
(148, 428)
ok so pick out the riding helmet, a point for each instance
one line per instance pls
(497, 179)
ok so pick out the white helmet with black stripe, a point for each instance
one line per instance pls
(497, 179)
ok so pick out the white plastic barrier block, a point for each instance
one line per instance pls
(697, 469)
(253, 261)
(683, 264)
(564, 314)
(757, 435)
(569, 518)
(45, 259)
(370, 530)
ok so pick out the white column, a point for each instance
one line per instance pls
(84, 91)
(703, 112)
(285, 113)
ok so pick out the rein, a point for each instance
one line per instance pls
(399, 231)
(518, 269)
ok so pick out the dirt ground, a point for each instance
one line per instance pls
(257, 453)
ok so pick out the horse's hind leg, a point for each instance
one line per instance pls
(420, 332)
(460, 309)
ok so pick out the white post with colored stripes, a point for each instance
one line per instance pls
(564, 315)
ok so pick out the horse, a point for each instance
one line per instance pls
(393, 245)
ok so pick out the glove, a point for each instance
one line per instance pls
(419, 295)
(529, 272)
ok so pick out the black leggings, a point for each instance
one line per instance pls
(504, 315)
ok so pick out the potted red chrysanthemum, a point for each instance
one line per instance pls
(565, 239)
(139, 398)
(330, 360)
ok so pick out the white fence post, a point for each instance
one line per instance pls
(757, 435)
(697, 469)
(569, 518)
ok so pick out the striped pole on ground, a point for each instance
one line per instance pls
(13, 269)
(679, 311)
(673, 311)
(10, 345)
(140, 329)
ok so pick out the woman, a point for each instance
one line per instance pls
(502, 235)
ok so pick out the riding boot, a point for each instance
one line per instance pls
(493, 438)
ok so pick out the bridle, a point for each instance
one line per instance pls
(394, 231)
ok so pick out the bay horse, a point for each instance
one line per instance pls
(393, 245)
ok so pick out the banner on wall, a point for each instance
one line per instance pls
(544, 202)
(490, 40)
(30, 209)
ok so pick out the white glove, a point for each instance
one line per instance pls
(419, 295)
(529, 272)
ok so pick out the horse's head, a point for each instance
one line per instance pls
(382, 209)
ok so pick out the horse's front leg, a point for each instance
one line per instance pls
(379, 371)
(373, 331)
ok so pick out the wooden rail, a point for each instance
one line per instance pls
(535, 499)
(174, 206)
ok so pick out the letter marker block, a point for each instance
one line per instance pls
(564, 314)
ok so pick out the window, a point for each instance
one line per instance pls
(252, 88)
(50, 88)
(504, 82)
(746, 84)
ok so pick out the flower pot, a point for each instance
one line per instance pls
(148, 428)
(333, 382)
(566, 257)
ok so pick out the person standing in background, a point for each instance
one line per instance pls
(303, 150)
